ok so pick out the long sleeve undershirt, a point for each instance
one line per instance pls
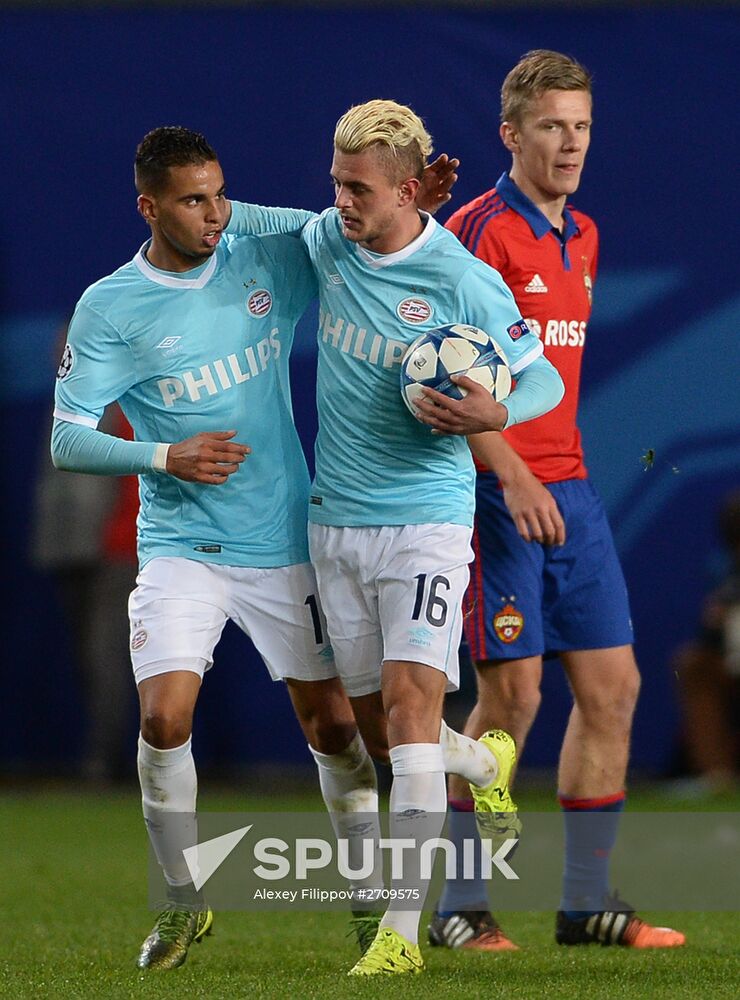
(79, 448)
(539, 388)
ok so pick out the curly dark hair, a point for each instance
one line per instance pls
(165, 147)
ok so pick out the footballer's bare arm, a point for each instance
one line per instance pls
(532, 507)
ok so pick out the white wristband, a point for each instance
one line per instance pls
(159, 461)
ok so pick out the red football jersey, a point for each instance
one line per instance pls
(551, 276)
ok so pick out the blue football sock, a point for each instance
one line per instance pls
(461, 893)
(590, 833)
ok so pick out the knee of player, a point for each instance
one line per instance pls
(523, 704)
(328, 734)
(516, 697)
(325, 715)
(611, 707)
(165, 728)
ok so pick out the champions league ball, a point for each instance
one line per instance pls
(455, 349)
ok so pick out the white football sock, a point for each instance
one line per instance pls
(349, 786)
(468, 758)
(417, 811)
(169, 788)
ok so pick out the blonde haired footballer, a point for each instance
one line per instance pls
(391, 504)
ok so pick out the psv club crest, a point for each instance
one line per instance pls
(259, 303)
(508, 623)
(414, 311)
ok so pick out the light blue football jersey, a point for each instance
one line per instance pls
(206, 350)
(376, 464)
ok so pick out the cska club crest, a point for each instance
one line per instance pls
(508, 623)
(587, 280)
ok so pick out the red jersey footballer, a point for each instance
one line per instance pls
(551, 274)
(547, 579)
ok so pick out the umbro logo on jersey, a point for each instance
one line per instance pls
(336, 279)
(167, 342)
(536, 286)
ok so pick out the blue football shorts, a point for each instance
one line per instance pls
(528, 599)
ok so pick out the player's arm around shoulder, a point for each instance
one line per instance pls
(293, 273)
(258, 220)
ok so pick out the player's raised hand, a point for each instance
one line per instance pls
(437, 181)
(209, 457)
(533, 510)
(476, 413)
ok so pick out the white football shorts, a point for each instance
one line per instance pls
(179, 608)
(392, 593)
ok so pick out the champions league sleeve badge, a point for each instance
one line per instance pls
(65, 365)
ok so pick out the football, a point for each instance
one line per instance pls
(455, 349)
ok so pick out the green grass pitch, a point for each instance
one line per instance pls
(74, 911)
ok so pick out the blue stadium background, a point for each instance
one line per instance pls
(79, 88)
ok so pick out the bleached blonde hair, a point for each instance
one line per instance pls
(393, 130)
